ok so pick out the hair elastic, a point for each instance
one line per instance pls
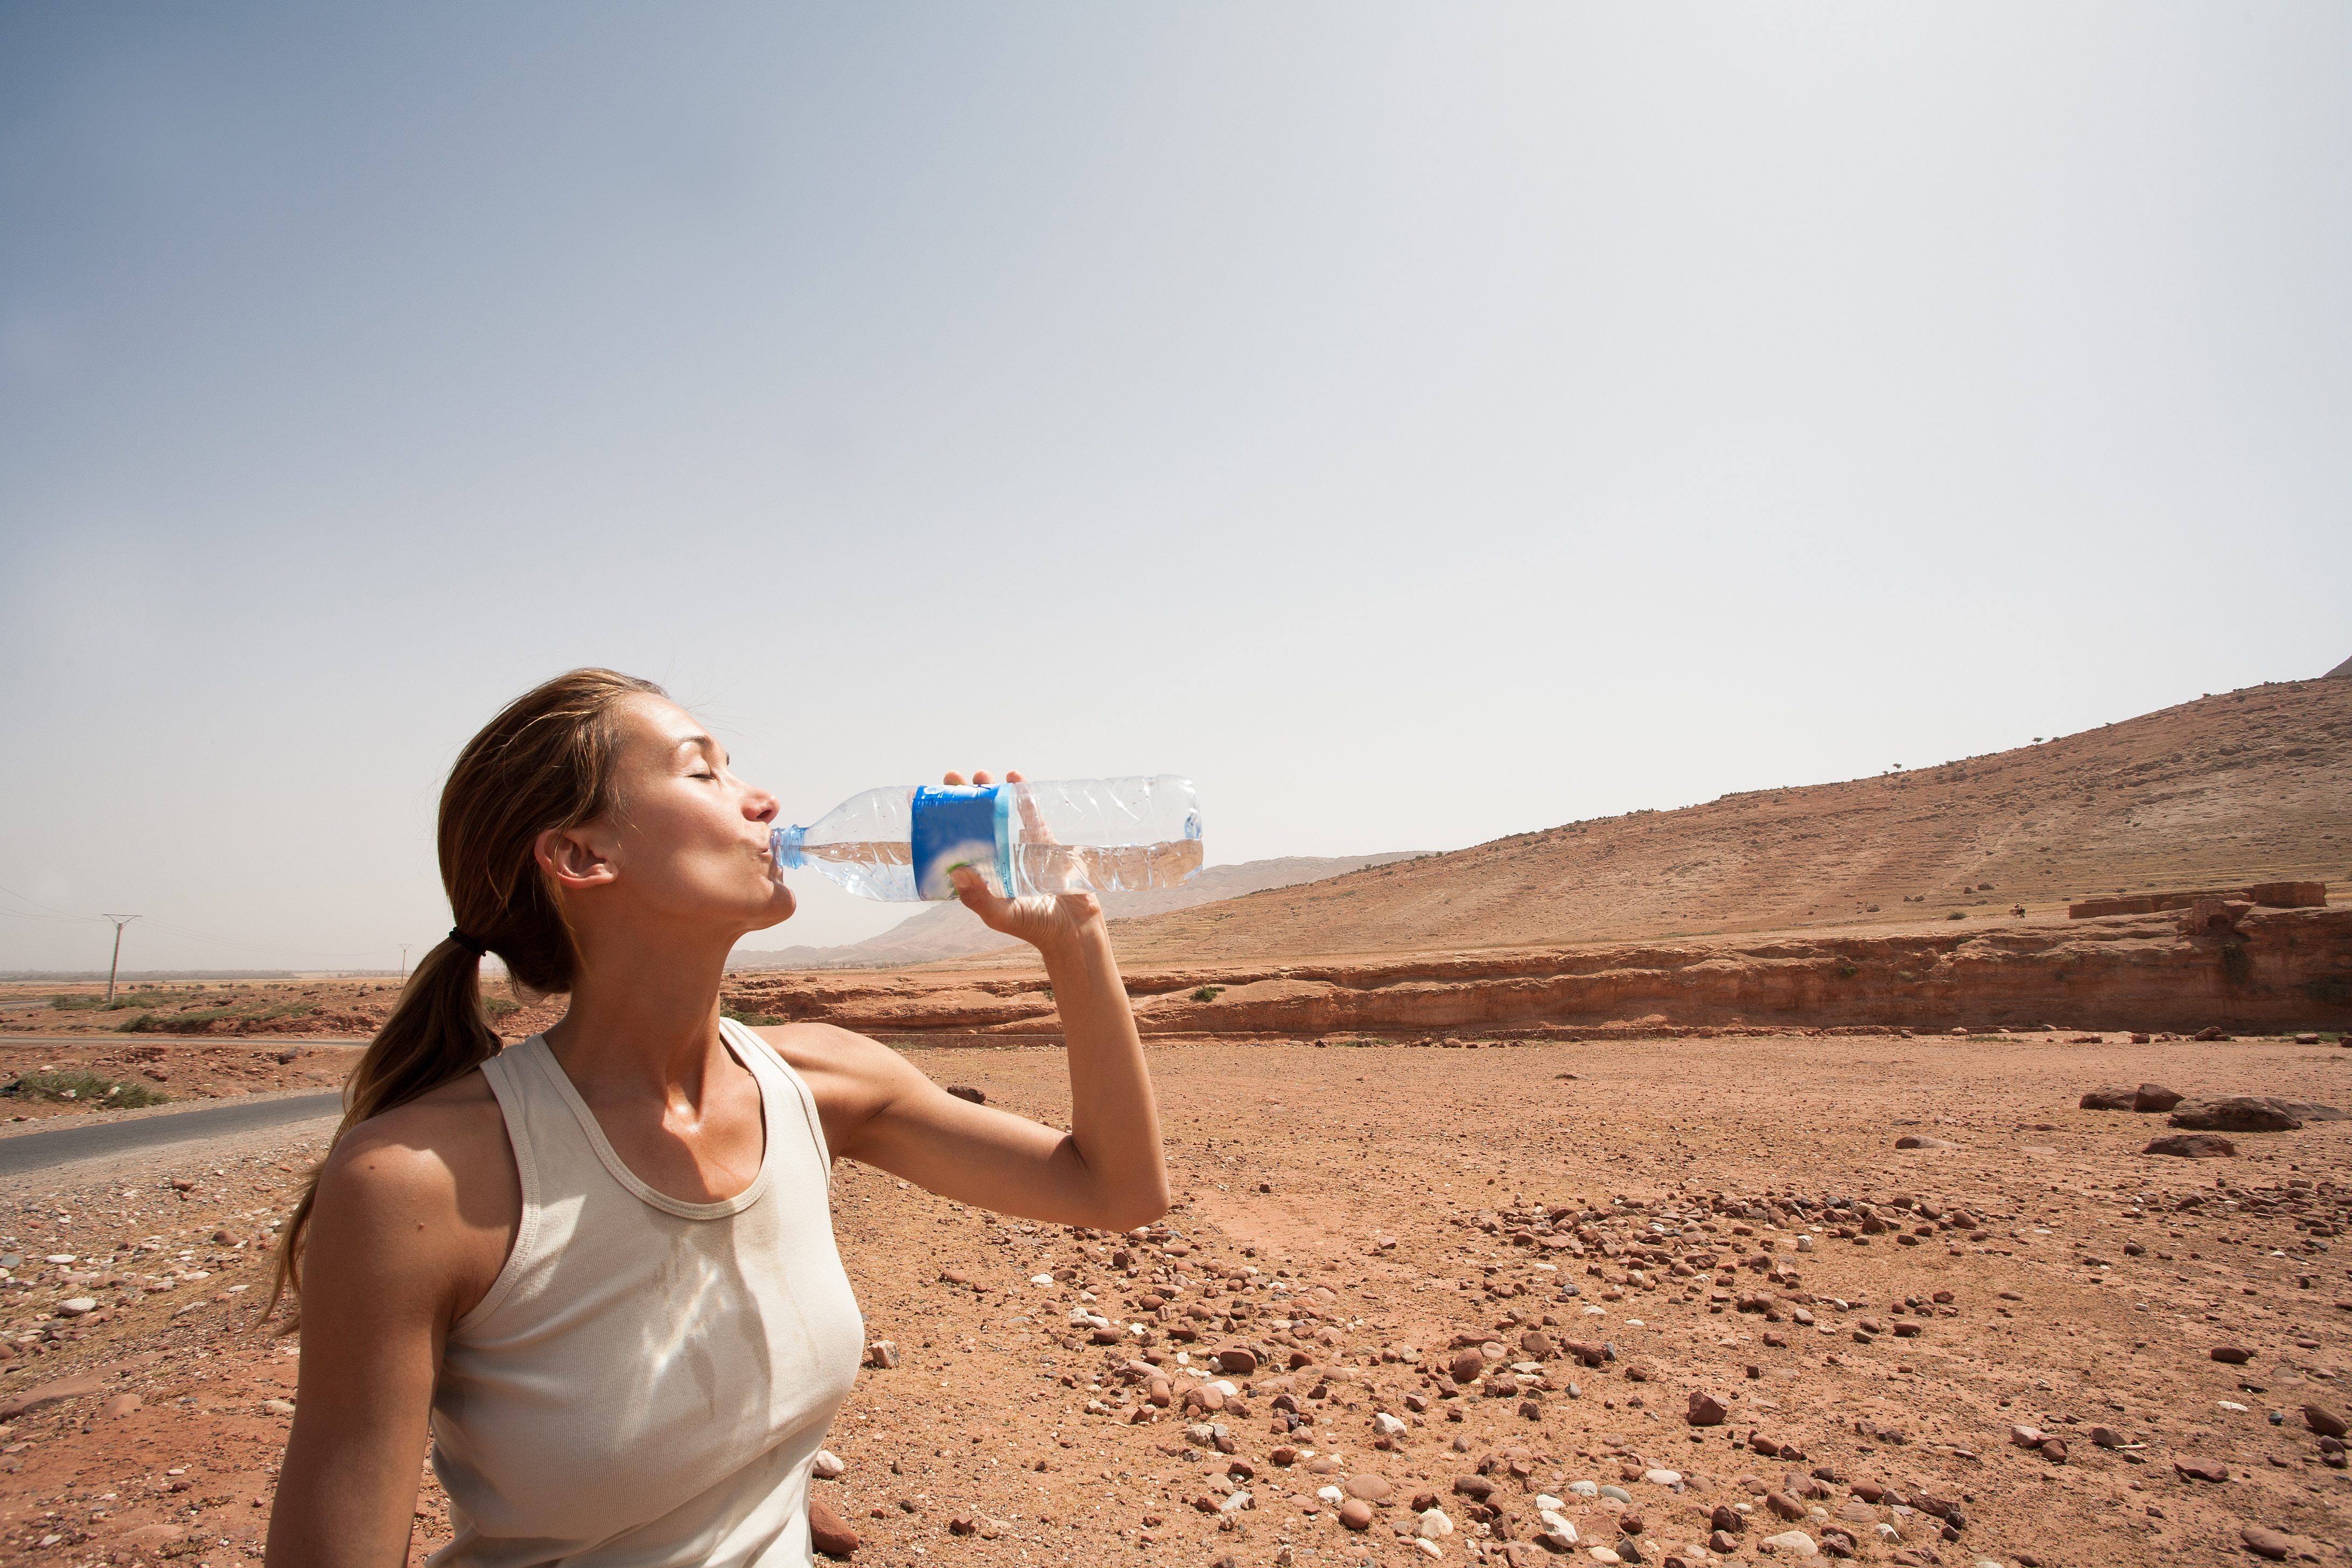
(477, 949)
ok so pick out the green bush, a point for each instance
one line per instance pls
(96, 1001)
(86, 1087)
(752, 1020)
(1958, 915)
(500, 1006)
(1847, 970)
(1208, 992)
(200, 1017)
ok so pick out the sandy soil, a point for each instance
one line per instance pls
(1362, 1212)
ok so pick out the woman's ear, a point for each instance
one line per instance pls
(571, 857)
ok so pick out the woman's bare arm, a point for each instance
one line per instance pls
(1106, 1172)
(414, 1214)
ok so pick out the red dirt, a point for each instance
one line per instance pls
(1413, 1186)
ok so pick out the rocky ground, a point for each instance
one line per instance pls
(1373, 1305)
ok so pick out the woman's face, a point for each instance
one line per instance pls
(687, 839)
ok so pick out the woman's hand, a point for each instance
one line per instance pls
(1042, 921)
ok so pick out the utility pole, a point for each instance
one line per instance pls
(403, 963)
(120, 921)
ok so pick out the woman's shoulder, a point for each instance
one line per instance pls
(814, 1049)
(845, 1069)
(419, 1203)
(426, 1152)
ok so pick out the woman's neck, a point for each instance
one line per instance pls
(643, 1017)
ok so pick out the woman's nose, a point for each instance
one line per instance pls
(761, 807)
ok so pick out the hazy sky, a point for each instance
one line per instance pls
(1415, 423)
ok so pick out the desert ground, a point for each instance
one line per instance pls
(1384, 1261)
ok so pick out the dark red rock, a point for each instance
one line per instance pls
(1706, 1410)
(829, 1532)
(2155, 1097)
(2324, 1421)
(1356, 1514)
(2238, 1113)
(2192, 1146)
(2231, 1356)
(966, 1091)
(2201, 1470)
(2266, 1542)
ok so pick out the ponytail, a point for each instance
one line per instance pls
(544, 762)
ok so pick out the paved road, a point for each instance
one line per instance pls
(29, 1151)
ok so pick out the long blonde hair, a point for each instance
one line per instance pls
(545, 761)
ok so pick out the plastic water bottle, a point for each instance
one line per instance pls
(1074, 835)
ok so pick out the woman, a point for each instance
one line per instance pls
(599, 1265)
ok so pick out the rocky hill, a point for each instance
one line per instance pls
(2245, 786)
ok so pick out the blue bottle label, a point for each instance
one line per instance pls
(957, 826)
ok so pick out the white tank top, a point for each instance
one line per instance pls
(647, 1379)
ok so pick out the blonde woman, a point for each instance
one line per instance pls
(598, 1267)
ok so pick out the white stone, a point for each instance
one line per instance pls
(279, 1406)
(1602, 1554)
(1427, 1547)
(1331, 1495)
(1560, 1525)
(1795, 1543)
(76, 1306)
(1237, 1502)
(1434, 1525)
(1662, 1478)
(827, 1464)
(1545, 1501)
(1388, 1426)
(1041, 1280)
(1584, 1489)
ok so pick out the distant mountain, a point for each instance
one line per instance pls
(951, 931)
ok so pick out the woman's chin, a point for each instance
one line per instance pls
(781, 906)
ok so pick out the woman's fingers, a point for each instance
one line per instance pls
(972, 889)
